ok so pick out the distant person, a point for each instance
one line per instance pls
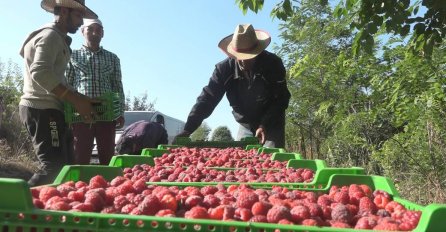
(139, 135)
(46, 53)
(254, 82)
(95, 71)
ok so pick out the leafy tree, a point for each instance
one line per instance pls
(397, 17)
(139, 103)
(201, 133)
(11, 129)
(222, 133)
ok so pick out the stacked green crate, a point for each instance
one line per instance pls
(17, 212)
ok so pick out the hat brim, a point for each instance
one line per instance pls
(49, 5)
(263, 37)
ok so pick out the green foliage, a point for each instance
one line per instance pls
(369, 16)
(11, 130)
(222, 133)
(201, 133)
(382, 110)
(139, 103)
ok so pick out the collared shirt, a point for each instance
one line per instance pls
(258, 99)
(95, 73)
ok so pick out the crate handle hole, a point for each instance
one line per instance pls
(112, 221)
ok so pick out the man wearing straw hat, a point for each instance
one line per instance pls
(46, 53)
(253, 80)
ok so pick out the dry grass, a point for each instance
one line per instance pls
(14, 165)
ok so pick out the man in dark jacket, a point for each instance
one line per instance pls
(139, 135)
(254, 83)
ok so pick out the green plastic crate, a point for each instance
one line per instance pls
(123, 161)
(322, 173)
(17, 212)
(107, 110)
(278, 154)
(285, 156)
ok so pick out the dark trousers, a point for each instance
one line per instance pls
(84, 135)
(52, 142)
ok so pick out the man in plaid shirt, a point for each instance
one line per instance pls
(94, 71)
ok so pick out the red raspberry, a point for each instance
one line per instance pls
(76, 196)
(211, 201)
(79, 184)
(109, 209)
(169, 202)
(191, 190)
(310, 222)
(98, 181)
(84, 207)
(311, 197)
(261, 208)
(381, 200)
(247, 198)
(127, 209)
(259, 218)
(197, 212)
(64, 189)
(277, 213)
(356, 196)
(38, 203)
(120, 201)
(165, 213)
(117, 181)
(341, 197)
(366, 189)
(217, 212)
(324, 200)
(150, 205)
(126, 187)
(35, 192)
(243, 214)
(366, 223)
(366, 206)
(336, 224)
(394, 206)
(95, 200)
(139, 186)
(388, 226)
(341, 213)
(300, 213)
(193, 201)
(48, 192)
(315, 210)
(206, 190)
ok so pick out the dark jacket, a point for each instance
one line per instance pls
(140, 135)
(260, 101)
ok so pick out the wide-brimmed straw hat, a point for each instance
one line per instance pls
(49, 5)
(246, 43)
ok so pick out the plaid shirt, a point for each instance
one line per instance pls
(95, 73)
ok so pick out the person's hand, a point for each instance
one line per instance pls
(182, 134)
(84, 106)
(120, 122)
(260, 134)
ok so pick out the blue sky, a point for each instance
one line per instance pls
(167, 48)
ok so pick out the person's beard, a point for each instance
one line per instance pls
(71, 28)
